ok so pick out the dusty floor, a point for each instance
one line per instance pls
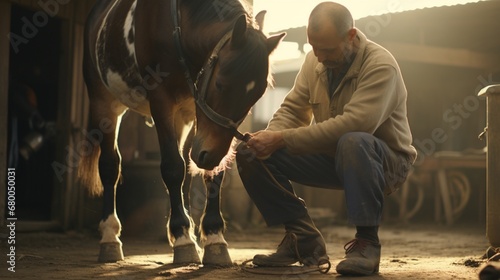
(410, 251)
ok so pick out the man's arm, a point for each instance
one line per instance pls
(295, 111)
(371, 104)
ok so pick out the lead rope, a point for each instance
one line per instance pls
(324, 265)
(286, 270)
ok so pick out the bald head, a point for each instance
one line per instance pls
(331, 13)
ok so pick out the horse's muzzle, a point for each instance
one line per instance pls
(207, 156)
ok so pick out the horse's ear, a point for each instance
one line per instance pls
(273, 41)
(259, 19)
(238, 37)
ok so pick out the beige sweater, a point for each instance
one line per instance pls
(371, 98)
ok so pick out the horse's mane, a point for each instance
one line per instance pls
(203, 12)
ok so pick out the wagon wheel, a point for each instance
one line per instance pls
(419, 194)
(411, 188)
(459, 191)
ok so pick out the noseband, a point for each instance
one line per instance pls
(203, 77)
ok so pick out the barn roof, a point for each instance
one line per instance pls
(465, 35)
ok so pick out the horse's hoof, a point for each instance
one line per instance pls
(186, 254)
(217, 255)
(110, 252)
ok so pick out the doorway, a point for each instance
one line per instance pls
(32, 112)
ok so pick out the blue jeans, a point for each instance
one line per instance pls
(363, 166)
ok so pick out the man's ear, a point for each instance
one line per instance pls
(352, 34)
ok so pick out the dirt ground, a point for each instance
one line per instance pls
(408, 252)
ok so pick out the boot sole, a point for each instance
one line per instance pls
(349, 270)
(320, 261)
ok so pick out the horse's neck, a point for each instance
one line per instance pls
(201, 40)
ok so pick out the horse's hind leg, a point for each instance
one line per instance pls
(105, 115)
(212, 225)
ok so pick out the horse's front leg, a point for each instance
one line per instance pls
(213, 226)
(180, 226)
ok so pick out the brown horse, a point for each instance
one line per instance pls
(194, 68)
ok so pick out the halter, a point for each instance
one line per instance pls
(205, 74)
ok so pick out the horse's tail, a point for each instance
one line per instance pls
(88, 169)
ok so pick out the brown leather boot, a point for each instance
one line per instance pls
(302, 243)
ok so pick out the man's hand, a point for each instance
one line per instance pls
(265, 142)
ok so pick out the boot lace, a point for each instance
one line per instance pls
(354, 245)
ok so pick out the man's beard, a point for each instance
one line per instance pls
(334, 64)
(339, 63)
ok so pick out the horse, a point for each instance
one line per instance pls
(193, 69)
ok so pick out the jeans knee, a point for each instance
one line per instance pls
(351, 143)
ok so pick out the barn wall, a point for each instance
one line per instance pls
(445, 99)
(72, 108)
(70, 199)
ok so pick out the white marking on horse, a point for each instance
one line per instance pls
(116, 82)
(129, 30)
(132, 98)
(250, 86)
(188, 238)
(183, 240)
(110, 229)
(214, 239)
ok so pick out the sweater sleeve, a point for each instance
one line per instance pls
(295, 110)
(371, 104)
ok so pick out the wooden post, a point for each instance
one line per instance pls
(4, 98)
(492, 94)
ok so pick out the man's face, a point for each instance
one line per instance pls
(331, 49)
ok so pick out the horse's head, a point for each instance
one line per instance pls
(231, 83)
